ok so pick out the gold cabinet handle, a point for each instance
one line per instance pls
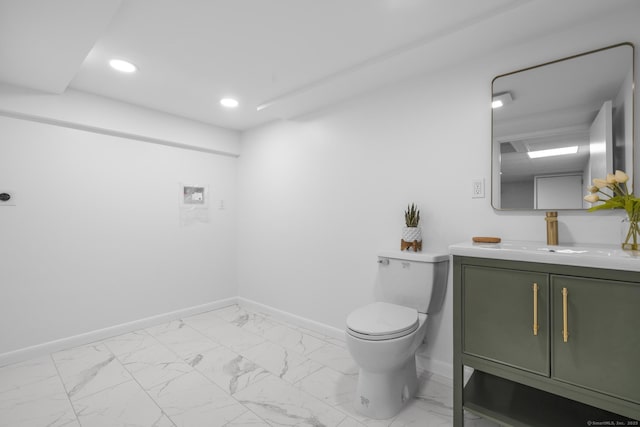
(535, 308)
(565, 330)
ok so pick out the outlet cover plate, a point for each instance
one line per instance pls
(477, 188)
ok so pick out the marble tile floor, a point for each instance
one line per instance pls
(228, 367)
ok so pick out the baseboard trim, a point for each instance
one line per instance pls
(294, 319)
(100, 334)
(435, 366)
(438, 367)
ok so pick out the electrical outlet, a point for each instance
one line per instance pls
(477, 188)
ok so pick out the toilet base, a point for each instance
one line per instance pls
(382, 395)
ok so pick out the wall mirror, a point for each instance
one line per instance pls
(558, 125)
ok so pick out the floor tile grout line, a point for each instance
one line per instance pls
(64, 387)
(240, 328)
(245, 413)
(257, 363)
(132, 379)
(93, 344)
(336, 407)
(252, 361)
(293, 326)
(287, 324)
(299, 330)
(175, 352)
(145, 391)
(228, 348)
(239, 354)
(305, 356)
(255, 330)
(136, 380)
(308, 395)
(194, 369)
(220, 344)
(216, 342)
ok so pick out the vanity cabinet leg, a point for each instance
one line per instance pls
(458, 412)
(458, 367)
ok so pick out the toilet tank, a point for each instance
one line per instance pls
(412, 279)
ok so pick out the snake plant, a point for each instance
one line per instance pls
(412, 215)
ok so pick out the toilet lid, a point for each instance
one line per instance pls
(382, 319)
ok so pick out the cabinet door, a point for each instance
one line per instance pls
(603, 344)
(498, 317)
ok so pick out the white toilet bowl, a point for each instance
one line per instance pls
(383, 339)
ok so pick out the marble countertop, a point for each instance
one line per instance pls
(598, 256)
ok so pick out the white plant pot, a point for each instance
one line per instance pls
(411, 234)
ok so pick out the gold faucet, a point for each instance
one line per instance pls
(552, 228)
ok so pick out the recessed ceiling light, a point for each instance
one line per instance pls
(229, 102)
(121, 65)
(552, 152)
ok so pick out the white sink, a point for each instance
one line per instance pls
(600, 250)
(564, 250)
(599, 256)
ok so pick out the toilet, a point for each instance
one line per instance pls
(383, 337)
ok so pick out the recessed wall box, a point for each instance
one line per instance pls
(7, 198)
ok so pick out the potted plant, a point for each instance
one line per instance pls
(618, 197)
(412, 232)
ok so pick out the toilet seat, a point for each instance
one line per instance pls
(382, 321)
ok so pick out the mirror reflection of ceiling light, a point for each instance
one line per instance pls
(500, 99)
(229, 102)
(552, 152)
(122, 65)
(597, 147)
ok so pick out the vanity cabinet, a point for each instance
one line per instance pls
(602, 350)
(498, 317)
(549, 344)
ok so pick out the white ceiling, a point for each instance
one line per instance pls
(289, 57)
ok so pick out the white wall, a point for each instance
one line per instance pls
(95, 239)
(320, 195)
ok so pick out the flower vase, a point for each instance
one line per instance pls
(630, 233)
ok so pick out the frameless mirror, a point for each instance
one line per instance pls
(558, 125)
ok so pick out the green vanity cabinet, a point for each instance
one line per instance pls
(603, 335)
(499, 317)
(509, 327)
